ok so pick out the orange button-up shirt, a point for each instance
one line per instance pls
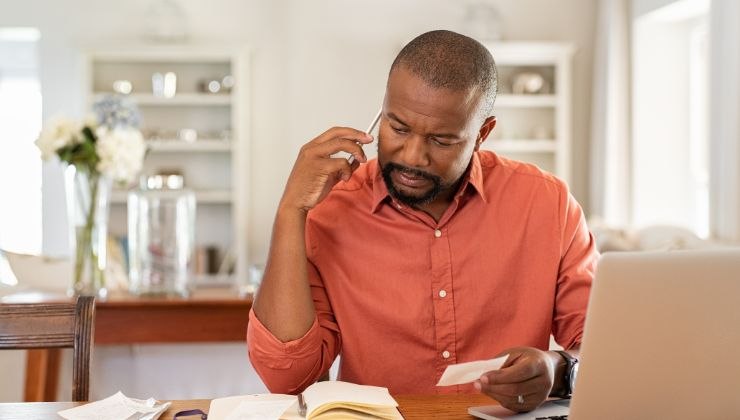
(400, 296)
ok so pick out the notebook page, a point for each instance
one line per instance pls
(221, 408)
(344, 392)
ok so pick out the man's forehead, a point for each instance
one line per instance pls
(402, 79)
(407, 92)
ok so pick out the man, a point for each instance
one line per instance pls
(435, 253)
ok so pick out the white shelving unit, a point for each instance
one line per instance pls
(534, 127)
(216, 164)
(199, 146)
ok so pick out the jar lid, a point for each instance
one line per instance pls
(163, 182)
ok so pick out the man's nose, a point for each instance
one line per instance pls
(415, 153)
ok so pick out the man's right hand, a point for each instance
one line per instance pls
(315, 172)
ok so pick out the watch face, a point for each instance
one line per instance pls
(573, 375)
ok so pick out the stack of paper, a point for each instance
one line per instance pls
(116, 407)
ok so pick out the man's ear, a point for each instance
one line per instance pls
(485, 130)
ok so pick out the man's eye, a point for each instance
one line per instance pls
(398, 130)
(441, 143)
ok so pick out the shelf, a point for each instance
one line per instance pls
(213, 280)
(526, 101)
(205, 145)
(521, 145)
(180, 99)
(201, 197)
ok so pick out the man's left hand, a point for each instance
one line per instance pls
(523, 382)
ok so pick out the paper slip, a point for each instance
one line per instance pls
(260, 410)
(116, 407)
(463, 373)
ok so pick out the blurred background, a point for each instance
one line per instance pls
(635, 103)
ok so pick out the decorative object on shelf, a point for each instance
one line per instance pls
(124, 87)
(528, 83)
(105, 148)
(482, 21)
(216, 85)
(166, 21)
(227, 83)
(209, 86)
(161, 238)
(164, 85)
(188, 135)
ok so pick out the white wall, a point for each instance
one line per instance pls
(315, 64)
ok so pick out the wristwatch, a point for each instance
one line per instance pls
(571, 371)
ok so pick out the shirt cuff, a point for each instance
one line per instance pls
(263, 344)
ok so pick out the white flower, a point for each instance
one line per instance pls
(57, 133)
(121, 152)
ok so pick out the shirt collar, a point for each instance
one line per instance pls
(473, 177)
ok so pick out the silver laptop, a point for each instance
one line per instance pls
(662, 340)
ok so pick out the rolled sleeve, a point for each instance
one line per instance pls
(577, 268)
(290, 367)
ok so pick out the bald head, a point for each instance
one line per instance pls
(445, 59)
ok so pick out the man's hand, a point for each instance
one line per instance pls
(315, 172)
(524, 381)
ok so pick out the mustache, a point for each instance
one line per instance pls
(417, 173)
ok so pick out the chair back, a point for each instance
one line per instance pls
(53, 325)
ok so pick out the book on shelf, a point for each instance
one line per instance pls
(326, 400)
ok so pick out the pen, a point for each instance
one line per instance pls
(301, 405)
(351, 158)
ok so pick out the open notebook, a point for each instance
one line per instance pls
(324, 401)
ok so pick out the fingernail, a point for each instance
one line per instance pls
(484, 379)
(477, 385)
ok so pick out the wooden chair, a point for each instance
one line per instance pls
(53, 325)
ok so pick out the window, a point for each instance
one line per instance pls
(670, 141)
(20, 162)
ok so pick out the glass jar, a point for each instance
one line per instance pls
(161, 236)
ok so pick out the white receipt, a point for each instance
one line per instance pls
(260, 410)
(463, 373)
(117, 406)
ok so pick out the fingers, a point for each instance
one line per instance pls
(315, 171)
(523, 396)
(335, 145)
(518, 370)
(343, 132)
(525, 373)
(343, 169)
(338, 139)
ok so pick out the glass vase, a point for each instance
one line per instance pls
(88, 204)
(161, 241)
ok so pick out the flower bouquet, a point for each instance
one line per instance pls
(107, 147)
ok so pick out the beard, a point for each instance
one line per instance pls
(410, 199)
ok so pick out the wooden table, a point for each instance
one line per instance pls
(412, 407)
(209, 315)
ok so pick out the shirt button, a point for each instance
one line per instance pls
(437, 233)
(446, 354)
(442, 293)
